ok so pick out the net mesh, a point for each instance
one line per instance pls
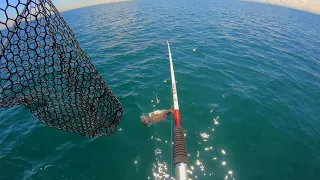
(44, 69)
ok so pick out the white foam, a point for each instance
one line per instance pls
(157, 99)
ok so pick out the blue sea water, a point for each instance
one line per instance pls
(248, 78)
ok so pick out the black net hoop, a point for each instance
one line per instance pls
(44, 69)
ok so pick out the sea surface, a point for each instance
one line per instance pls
(248, 78)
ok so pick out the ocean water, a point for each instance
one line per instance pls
(248, 78)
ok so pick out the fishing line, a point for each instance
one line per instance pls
(171, 142)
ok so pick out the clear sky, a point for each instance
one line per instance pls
(64, 5)
(305, 5)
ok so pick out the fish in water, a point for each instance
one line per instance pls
(156, 116)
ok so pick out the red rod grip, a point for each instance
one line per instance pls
(176, 114)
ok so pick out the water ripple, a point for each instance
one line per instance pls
(248, 82)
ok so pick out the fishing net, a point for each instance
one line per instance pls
(44, 69)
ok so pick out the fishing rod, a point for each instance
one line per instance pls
(179, 147)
